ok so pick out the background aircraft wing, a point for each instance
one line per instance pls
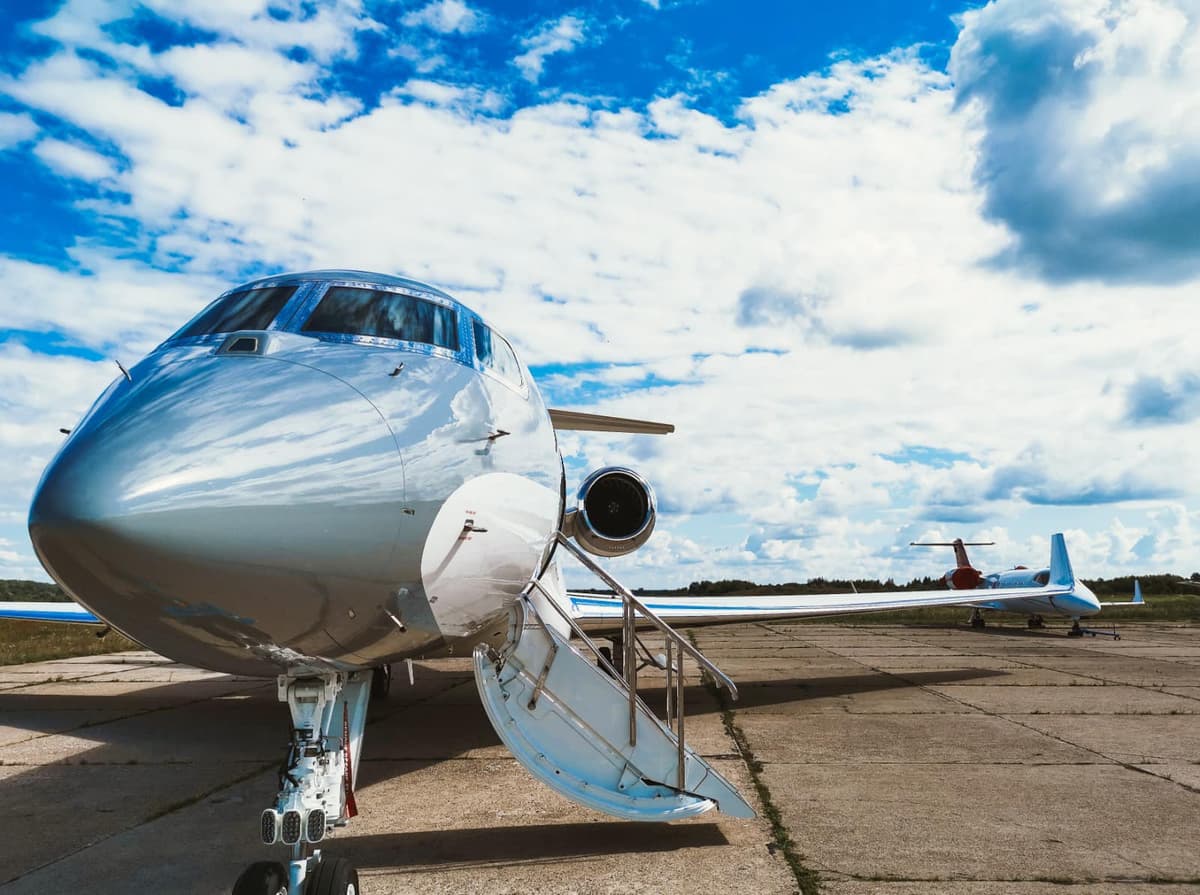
(599, 613)
(70, 613)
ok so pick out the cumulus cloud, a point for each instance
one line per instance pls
(446, 17)
(73, 160)
(799, 289)
(557, 36)
(16, 128)
(1090, 144)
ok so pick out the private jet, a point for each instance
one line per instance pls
(326, 473)
(1036, 605)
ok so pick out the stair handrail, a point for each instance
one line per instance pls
(721, 678)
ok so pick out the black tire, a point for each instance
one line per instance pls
(335, 877)
(262, 878)
(381, 682)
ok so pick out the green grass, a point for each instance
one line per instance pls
(38, 641)
(22, 642)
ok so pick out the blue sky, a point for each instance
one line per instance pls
(895, 271)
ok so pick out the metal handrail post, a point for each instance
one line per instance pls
(719, 676)
(681, 775)
(630, 662)
(670, 690)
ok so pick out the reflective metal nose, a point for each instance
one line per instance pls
(237, 492)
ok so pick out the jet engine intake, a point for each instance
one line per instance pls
(615, 514)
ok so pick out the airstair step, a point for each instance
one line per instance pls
(568, 722)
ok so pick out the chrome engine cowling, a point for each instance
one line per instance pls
(615, 514)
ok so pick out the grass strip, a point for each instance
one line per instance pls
(22, 641)
(807, 879)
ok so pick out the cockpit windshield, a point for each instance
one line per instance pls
(494, 353)
(250, 309)
(390, 315)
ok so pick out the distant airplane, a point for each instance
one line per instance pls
(325, 473)
(965, 576)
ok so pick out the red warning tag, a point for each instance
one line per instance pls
(347, 771)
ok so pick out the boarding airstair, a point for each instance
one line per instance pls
(575, 720)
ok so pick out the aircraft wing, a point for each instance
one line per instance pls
(598, 613)
(70, 613)
(594, 422)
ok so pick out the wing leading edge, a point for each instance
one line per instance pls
(597, 613)
(594, 422)
(68, 613)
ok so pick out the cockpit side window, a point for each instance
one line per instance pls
(250, 309)
(494, 353)
(389, 315)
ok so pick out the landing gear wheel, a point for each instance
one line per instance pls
(262, 878)
(1075, 631)
(336, 877)
(1036, 621)
(381, 682)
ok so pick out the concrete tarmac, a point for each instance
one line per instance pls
(899, 760)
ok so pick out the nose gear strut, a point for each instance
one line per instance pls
(316, 786)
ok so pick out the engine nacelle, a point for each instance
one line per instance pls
(615, 514)
(964, 578)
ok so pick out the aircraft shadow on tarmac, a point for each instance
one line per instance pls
(162, 728)
(533, 844)
(781, 691)
(119, 720)
(403, 738)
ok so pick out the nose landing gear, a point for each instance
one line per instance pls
(316, 786)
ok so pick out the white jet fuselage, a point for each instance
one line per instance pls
(306, 498)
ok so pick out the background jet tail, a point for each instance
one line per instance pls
(960, 549)
(1061, 572)
(1137, 597)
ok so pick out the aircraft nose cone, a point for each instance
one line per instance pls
(231, 494)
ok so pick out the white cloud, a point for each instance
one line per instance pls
(16, 128)
(114, 306)
(224, 71)
(558, 36)
(801, 292)
(73, 160)
(1090, 141)
(447, 17)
